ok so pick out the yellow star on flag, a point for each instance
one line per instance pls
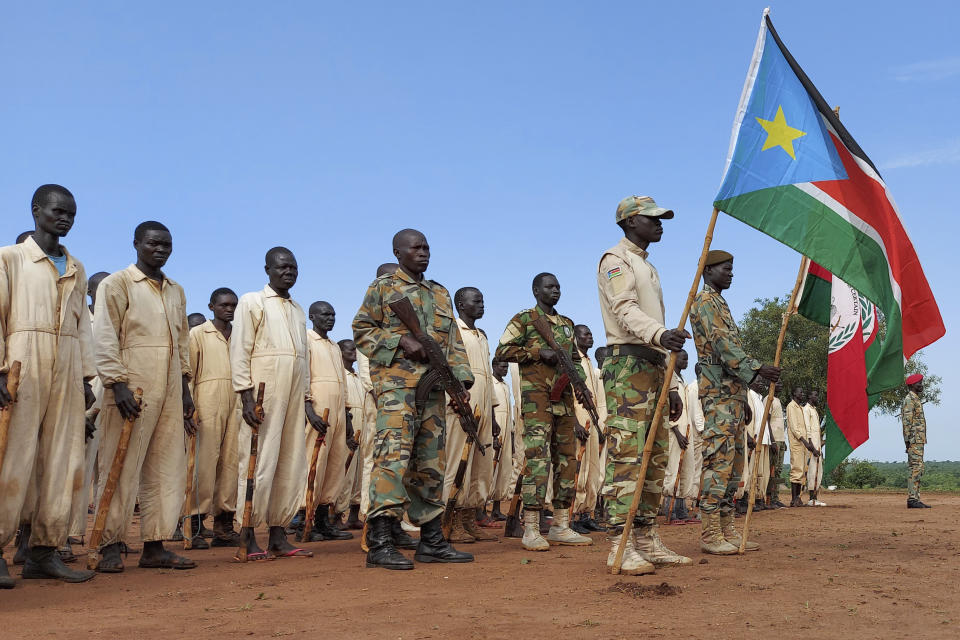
(779, 133)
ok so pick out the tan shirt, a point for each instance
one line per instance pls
(631, 301)
(796, 421)
(776, 420)
(478, 354)
(266, 325)
(35, 297)
(756, 407)
(693, 406)
(503, 409)
(596, 388)
(328, 380)
(209, 354)
(363, 370)
(132, 313)
(813, 424)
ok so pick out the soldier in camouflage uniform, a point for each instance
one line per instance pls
(409, 446)
(631, 304)
(914, 437)
(725, 372)
(550, 427)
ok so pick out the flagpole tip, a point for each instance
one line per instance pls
(766, 12)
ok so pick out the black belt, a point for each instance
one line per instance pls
(639, 351)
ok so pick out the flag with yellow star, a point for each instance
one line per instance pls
(794, 172)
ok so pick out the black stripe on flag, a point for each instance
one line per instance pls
(818, 100)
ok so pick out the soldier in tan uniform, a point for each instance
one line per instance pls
(44, 325)
(504, 480)
(477, 479)
(140, 330)
(269, 345)
(218, 414)
(797, 431)
(631, 303)
(590, 478)
(328, 392)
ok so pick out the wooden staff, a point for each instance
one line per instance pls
(116, 468)
(311, 478)
(191, 467)
(661, 400)
(766, 405)
(251, 474)
(676, 483)
(13, 383)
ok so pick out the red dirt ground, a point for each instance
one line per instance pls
(864, 567)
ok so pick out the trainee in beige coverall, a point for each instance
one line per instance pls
(687, 470)
(814, 465)
(592, 465)
(762, 450)
(328, 389)
(796, 429)
(695, 448)
(140, 331)
(269, 345)
(218, 424)
(370, 422)
(478, 478)
(81, 496)
(503, 411)
(44, 323)
(356, 395)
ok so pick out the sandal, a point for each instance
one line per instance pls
(253, 557)
(292, 553)
(168, 560)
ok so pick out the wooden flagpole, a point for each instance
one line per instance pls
(804, 262)
(661, 400)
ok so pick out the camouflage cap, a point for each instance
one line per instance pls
(641, 206)
(716, 256)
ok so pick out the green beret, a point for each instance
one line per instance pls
(716, 256)
(641, 206)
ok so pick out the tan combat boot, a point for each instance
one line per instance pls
(633, 563)
(469, 517)
(561, 533)
(651, 547)
(457, 532)
(731, 535)
(711, 538)
(532, 540)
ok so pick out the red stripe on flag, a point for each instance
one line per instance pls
(818, 271)
(867, 199)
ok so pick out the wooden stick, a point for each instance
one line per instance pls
(661, 400)
(766, 404)
(116, 468)
(311, 478)
(13, 383)
(251, 475)
(188, 507)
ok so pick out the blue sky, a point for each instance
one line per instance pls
(507, 132)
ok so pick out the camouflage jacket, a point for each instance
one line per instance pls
(914, 424)
(522, 343)
(725, 368)
(377, 331)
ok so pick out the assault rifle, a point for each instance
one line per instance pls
(439, 373)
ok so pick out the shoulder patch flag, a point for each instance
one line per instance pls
(613, 273)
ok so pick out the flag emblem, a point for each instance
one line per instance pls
(613, 273)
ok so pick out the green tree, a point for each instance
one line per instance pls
(891, 401)
(863, 475)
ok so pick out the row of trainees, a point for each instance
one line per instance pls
(140, 333)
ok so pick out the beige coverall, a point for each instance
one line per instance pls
(140, 331)
(814, 465)
(370, 422)
(762, 451)
(796, 429)
(478, 479)
(328, 389)
(218, 413)
(593, 464)
(689, 464)
(269, 344)
(520, 452)
(81, 496)
(45, 324)
(503, 410)
(350, 493)
(695, 449)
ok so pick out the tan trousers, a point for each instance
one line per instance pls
(590, 480)
(281, 472)
(154, 470)
(218, 410)
(365, 453)
(798, 460)
(481, 468)
(763, 472)
(683, 463)
(454, 443)
(82, 497)
(814, 475)
(696, 467)
(45, 440)
(330, 461)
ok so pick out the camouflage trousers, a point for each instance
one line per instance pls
(408, 461)
(776, 462)
(915, 465)
(723, 452)
(548, 439)
(631, 386)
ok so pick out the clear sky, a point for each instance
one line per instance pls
(506, 131)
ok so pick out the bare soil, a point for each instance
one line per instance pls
(863, 567)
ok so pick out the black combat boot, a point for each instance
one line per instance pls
(434, 547)
(45, 563)
(196, 526)
(795, 490)
(741, 507)
(401, 539)
(382, 553)
(913, 503)
(321, 522)
(353, 518)
(224, 534)
(23, 545)
(680, 513)
(202, 529)
(6, 580)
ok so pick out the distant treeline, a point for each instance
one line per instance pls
(867, 474)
